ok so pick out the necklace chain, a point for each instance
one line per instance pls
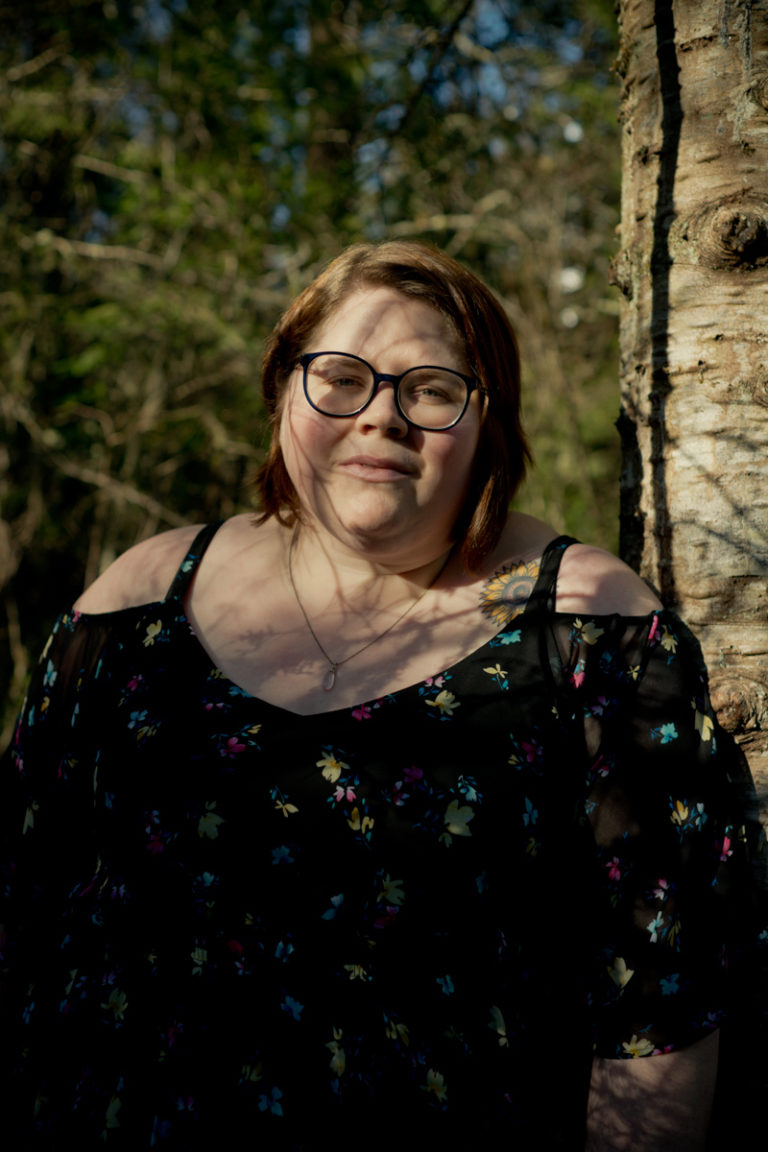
(329, 680)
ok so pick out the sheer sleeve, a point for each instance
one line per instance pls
(46, 813)
(677, 841)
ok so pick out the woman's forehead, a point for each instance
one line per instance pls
(378, 317)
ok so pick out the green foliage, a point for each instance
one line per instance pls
(172, 172)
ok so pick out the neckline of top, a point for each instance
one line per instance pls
(542, 598)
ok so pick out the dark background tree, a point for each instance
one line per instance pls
(172, 172)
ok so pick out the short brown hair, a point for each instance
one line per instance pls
(491, 350)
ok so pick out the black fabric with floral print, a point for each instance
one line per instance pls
(419, 916)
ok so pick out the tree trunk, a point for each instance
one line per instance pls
(693, 269)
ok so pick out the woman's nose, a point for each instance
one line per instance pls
(382, 413)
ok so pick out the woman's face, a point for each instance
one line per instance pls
(372, 481)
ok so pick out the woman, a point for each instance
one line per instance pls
(388, 813)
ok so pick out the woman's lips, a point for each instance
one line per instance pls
(377, 468)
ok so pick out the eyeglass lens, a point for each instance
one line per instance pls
(429, 397)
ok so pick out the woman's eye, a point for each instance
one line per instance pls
(346, 382)
(431, 390)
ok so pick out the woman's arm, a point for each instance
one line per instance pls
(653, 1103)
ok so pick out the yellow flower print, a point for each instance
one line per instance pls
(499, 675)
(704, 724)
(669, 641)
(208, 824)
(358, 825)
(397, 1031)
(619, 973)
(445, 702)
(589, 632)
(498, 1025)
(29, 817)
(391, 891)
(457, 818)
(117, 1003)
(199, 960)
(680, 812)
(338, 1055)
(674, 932)
(153, 630)
(356, 972)
(332, 768)
(286, 809)
(111, 1118)
(436, 1083)
(638, 1047)
(251, 1072)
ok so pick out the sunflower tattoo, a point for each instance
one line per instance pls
(505, 595)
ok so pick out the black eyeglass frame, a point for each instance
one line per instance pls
(472, 385)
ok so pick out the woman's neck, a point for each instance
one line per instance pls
(326, 575)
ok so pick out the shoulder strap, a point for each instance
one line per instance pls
(189, 564)
(545, 588)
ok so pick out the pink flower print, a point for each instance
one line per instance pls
(726, 849)
(233, 748)
(413, 773)
(399, 797)
(654, 630)
(134, 683)
(661, 891)
(531, 750)
(614, 871)
(434, 681)
(344, 794)
(388, 917)
(361, 713)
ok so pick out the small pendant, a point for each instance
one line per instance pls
(329, 681)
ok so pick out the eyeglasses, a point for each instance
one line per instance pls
(430, 398)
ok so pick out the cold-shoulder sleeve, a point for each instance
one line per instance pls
(673, 814)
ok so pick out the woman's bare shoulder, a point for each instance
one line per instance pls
(141, 575)
(144, 573)
(596, 582)
(590, 579)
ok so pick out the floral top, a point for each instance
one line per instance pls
(415, 915)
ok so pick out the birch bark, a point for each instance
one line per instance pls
(693, 269)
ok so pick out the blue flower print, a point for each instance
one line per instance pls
(505, 638)
(292, 1007)
(282, 855)
(531, 814)
(666, 733)
(271, 1103)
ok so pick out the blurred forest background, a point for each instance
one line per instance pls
(174, 171)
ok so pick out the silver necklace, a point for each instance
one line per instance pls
(329, 680)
